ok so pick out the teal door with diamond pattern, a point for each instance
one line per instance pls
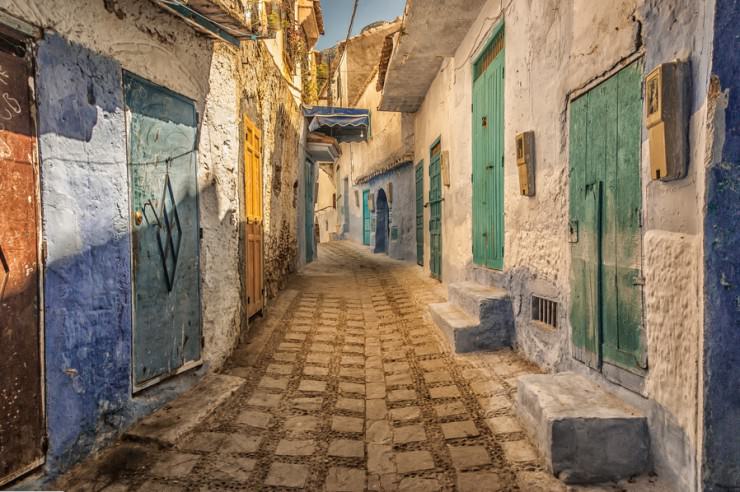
(162, 128)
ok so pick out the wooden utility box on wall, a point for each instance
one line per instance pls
(525, 162)
(445, 168)
(666, 104)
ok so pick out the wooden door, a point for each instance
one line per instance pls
(435, 216)
(420, 213)
(605, 210)
(21, 400)
(488, 156)
(254, 215)
(310, 201)
(366, 218)
(162, 128)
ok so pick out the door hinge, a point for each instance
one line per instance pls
(503, 72)
(200, 233)
(202, 341)
(502, 161)
(471, 107)
(44, 251)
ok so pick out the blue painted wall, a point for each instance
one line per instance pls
(721, 468)
(85, 223)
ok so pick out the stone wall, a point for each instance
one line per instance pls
(84, 47)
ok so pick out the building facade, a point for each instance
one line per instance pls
(156, 175)
(540, 155)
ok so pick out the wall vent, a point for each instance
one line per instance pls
(545, 311)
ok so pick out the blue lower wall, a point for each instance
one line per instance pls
(721, 467)
(85, 225)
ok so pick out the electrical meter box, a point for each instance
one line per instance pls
(525, 162)
(666, 118)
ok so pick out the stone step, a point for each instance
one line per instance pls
(466, 333)
(585, 434)
(478, 300)
(187, 411)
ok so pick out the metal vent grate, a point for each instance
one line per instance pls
(545, 311)
(489, 54)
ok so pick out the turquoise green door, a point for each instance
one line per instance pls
(309, 212)
(488, 156)
(365, 218)
(435, 209)
(420, 213)
(162, 128)
(605, 208)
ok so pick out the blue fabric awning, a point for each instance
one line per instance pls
(344, 124)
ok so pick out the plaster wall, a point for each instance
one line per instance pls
(326, 214)
(554, 51)
(84, 186)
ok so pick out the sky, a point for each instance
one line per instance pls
(338, 12)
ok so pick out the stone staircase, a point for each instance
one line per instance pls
(475, 318)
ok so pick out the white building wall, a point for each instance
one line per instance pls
(553, 50)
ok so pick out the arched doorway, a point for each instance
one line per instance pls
(382, 223)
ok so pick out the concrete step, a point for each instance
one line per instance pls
(168, 424)
(466, 333)
(476, 299)
(586, 434)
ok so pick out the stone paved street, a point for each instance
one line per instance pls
(348, 387)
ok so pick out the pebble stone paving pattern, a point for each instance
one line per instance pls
(353, 390)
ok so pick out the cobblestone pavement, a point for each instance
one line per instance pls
(348, 387)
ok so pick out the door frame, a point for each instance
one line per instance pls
(493, 38)
(631, 379)
(136, 388)
(437, 141)
(26, 34)
(310, 186)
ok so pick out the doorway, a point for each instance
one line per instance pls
(435, 206)
(254, 216)
(22, 429)
(162, 128)
(382, 223)
(488, 155)
(420, 213)
(366, 218)
(605, 226)
(309, 212)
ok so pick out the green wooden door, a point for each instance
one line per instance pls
(435, 216)
(605, 209)
(309, 212)
(488, 156)
(420, 213)
(365, 218)
(162, 128)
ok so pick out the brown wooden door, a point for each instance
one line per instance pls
(254, 216)
(21, 400)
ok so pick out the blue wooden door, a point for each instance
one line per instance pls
(420, 213)
(365, 218)
(309, 212)
(435, 216)
(162, 128)
(488, 155)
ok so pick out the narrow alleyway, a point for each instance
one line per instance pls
(347, 387)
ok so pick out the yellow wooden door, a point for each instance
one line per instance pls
(253, 213)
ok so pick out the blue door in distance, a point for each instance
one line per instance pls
(365, 218)
(162, 129)
(382, 223)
